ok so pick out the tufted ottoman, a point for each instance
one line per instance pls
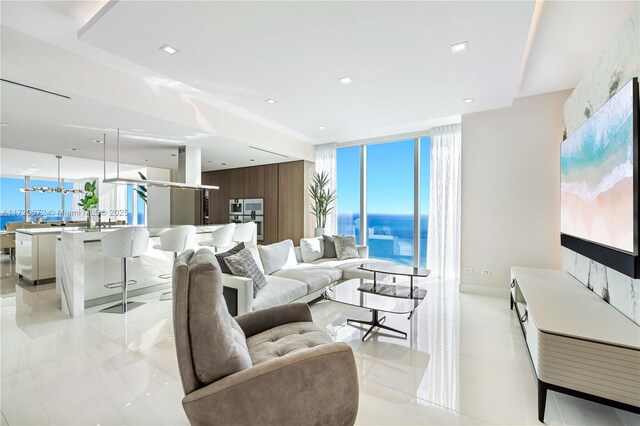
(285, 339)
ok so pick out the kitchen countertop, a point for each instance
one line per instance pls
(154, 231)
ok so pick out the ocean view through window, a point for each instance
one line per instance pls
(390, 198)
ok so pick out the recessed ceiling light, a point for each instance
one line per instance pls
(173, 155)
(459, 47)
(321, 127)
(468, 100)
(74, 149)
(345, 80)
(224, 164)
(3, 124)
(97, 141)
(271, 101)
(146, 161)
(252, 159)
(168, 49)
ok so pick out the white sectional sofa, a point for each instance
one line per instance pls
(302, 282)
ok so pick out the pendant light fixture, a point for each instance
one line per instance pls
(57, 190)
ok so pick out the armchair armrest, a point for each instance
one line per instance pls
(256, 322)
(319, 384)
(244, 287)
(363, 251)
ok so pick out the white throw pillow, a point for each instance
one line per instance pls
(256, 256)
(311, 249)
(277, 256)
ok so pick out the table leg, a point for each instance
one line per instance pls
(376, 321)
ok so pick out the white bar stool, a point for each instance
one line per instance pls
(175, 240)
(124, 243)
(244, 232)
(221, 237)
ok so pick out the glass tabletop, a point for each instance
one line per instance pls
(394, 269)
(385, 297)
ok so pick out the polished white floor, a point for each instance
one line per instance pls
(465, 362)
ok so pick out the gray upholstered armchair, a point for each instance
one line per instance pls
(268, 367)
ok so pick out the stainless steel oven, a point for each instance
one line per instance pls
(236, 206)
(254, 207)
(259, 225)
(235, 219)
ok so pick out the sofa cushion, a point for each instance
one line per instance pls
(345, 247)
(315, 277)
(218, 346)
(349, 267)
(277, 256)
(279, 291)
(285, 339)
(312, 249)
(243, 265)
(220, 258)
(329, 247)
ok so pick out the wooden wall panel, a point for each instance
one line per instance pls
(254, 182)
(270, 204)
(291, 199)
(236, 182)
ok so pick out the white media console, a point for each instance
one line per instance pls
(578, 343)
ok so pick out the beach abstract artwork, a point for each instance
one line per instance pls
(596, 163)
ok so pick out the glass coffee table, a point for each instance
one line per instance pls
(379, 296)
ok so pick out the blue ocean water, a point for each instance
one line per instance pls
(390, 236)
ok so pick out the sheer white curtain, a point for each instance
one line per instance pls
(443, 240)
(326, 162)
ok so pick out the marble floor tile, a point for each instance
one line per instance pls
(464, 362)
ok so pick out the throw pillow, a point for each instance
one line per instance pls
(329, 247)
(345, 246)
(277, 256)
(221, 258)
(256, 257)
(311, 249)
(243, 265)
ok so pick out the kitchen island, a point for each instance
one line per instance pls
(82, 270)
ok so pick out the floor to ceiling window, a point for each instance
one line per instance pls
(12, 200)
(390, 189)
(348, 191)
(425, 181)
(390, 201)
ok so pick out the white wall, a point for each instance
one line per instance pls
(511, 190)
(158, 199)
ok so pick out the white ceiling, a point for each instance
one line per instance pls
(567, 38)
(18, 163)
(42, 122)
(398, 54)
(234, 55)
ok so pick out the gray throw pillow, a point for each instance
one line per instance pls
(345, 247)
(221, 258)
(243, 264)
(329, 247)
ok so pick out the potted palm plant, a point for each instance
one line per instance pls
(90, 200)
(322, 199)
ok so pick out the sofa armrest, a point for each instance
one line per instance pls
(244, 287)
(256, 322)
(363, 251)
(318, 384)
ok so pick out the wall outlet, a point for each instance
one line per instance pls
(468, 270)
(485, 271)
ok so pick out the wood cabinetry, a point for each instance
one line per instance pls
(293, 206)
(283, 188)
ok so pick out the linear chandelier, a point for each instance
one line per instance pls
(50, 190)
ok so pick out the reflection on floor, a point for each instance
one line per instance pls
(464, 362)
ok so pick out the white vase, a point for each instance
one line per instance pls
(319, 232)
